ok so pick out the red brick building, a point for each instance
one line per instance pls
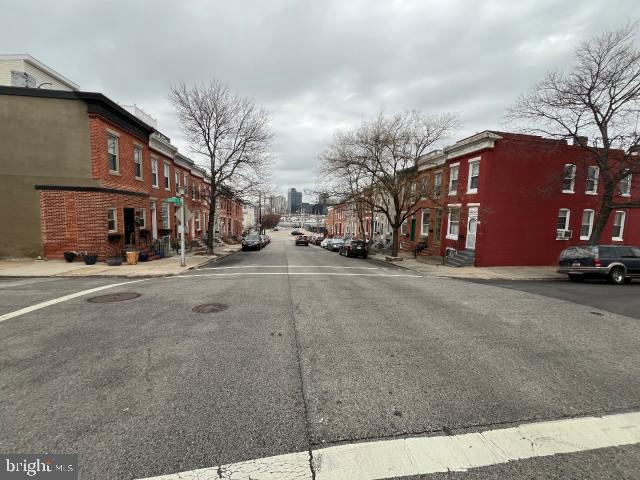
(125, 172)
(511, 199)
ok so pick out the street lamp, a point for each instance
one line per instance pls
(182, 192)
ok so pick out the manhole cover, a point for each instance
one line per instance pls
(210, 308)
(114, 297)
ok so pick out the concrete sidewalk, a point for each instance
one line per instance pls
(155, 268)
(433, 268)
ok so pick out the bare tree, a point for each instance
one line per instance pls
(598, 99)
(379, 163)
(231, 133)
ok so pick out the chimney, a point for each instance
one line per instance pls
(581, 141)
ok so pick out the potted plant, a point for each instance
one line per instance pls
(90, 258)
(114, 261)
(69, 256)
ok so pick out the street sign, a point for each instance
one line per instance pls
(175, 200)
(187, 214)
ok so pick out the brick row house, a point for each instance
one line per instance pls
(102, 176)
(513, 199)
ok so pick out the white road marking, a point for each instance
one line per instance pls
(292, 466)
(292, 266)
(426, 455)
(38, 306)
(378, 275)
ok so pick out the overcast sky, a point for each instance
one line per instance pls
(315, 65)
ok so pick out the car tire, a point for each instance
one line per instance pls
(616, 276)
(576, 277)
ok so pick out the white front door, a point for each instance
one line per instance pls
(472, 228)
(154, 221)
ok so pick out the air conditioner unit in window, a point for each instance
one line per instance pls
(563, 234)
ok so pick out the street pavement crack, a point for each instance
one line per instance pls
(292, 310)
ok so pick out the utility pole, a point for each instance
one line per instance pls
(183, 259)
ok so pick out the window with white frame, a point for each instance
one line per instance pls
(474, 175)
(112, 153)
(618, 225)
(625, 185)
(403, 226)
(593, 173)
(154, 172)
(454, 170)
(424, 229)
(166, 220)
(562, 226)
(177, 179)
(197, 220)
(167, 174)
(586, 227)
(453, 223)
(193, 190)
(437, 184)
(186, 181)
(137, 161)
(141, 217)
(112, 219)
(569, 178)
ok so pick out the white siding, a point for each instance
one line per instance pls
(5, 70)
(42, 77)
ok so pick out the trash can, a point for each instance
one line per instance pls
(132, 258)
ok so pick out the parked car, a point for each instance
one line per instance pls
(354, 248)
(251, 242)
(617, 263)
(264, 240)
(324, 242)
(296, 232)
(276, 228)
(302, 240)
(317, 240)
(336, 244)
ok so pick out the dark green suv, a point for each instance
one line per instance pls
(617, 263)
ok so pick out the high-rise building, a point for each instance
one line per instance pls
(294, 200)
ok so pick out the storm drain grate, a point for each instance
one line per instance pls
(114, 297)
(210, 308)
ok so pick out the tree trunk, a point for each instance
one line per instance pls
(395, 245)
(211, 225)
(601, 221)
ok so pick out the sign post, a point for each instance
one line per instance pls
(179, 201)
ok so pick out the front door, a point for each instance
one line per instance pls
(154, 221)
(472, 228)
(129, 226)
(413, 229)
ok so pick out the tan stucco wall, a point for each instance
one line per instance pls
(42, 141)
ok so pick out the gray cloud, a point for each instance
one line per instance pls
(315, 65)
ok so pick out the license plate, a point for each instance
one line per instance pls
(575, 264)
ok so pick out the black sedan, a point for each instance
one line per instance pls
(354, 248)
(302, 240)
(251, 242)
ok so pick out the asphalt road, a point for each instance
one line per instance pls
(312, 350)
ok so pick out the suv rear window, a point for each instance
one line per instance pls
(607, 252)
(578, 252)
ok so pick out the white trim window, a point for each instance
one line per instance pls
(137, 161)
(193, 190)
(618, 225)
(453, 223)
(141, 217)
(474, 175)
(625, 185)
(586, 227)
(167, 176)
(569, 178)
(197, 220)
(593, 173)
(424, 226)
(112, 220)
(404, 225)
(454, 171)
(186, 181)
(562, 225)
(112, 153)
(177, 179)
(154, 172)
(166, 219)
(437, 185)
